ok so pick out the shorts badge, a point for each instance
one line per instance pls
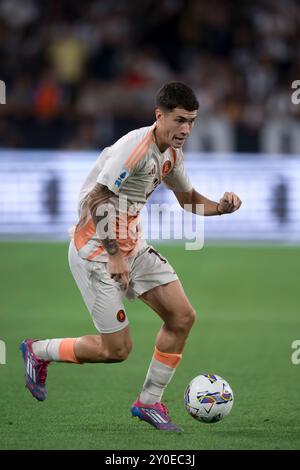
(121, 316)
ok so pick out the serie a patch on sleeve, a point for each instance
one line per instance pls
(121, 178)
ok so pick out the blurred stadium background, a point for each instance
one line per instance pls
(80, 74)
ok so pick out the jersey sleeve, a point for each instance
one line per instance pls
(115, 169)
(177, 179)
(124, 158)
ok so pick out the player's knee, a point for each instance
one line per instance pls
(185, 320)
(192, 316)
(120, 352)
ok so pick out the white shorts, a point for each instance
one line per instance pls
(104, 297)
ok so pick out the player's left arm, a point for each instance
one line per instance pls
(191, 201)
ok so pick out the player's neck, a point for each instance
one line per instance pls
(160, 142)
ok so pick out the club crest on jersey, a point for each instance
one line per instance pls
(122, 177)
(166, 168)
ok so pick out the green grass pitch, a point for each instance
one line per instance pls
(247, 299)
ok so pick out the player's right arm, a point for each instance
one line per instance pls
(103, 212)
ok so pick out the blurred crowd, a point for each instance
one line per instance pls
(79, 74)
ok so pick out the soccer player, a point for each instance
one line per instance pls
(109, 259)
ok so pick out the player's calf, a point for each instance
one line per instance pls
(109, 347)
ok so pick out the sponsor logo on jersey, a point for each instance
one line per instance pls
(154, 184)
(121, 316)
(122, 177)
(153, 170)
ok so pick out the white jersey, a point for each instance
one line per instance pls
(132, 167)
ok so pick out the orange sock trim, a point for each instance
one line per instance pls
(66, 350)
(171, 360)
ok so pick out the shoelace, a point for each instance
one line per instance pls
(164, 409)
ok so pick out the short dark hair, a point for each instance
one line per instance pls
(176, 95)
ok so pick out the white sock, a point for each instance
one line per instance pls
(47, 349)
(158, 377)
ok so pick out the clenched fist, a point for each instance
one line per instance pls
(230, 202)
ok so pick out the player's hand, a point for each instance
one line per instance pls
(118, 269)
(230, 202)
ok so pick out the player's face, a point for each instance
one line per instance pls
(175, 126)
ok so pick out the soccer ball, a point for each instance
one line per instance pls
(208, 398)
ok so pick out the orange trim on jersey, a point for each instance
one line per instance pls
(131, 156)
(136, 151)
(83, 235)
(141, 153)
(174, 155)
(126, 244)
(96, 253)
(171, 360)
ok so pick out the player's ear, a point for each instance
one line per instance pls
(158, 114)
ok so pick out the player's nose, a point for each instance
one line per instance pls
(185, 130)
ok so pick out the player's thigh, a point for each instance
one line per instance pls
(150, 269)
(171, 303)
(101, 294)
